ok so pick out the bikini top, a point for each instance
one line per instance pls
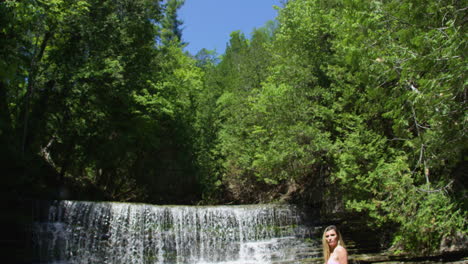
(332, 261)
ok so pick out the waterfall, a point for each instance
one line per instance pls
(105, 232)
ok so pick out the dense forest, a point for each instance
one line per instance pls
(356, 101)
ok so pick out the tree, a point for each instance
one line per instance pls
(358, 96)
(170, 24)
(101, 95)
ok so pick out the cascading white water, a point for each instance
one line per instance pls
(90, 232)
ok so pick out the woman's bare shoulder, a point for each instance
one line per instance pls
(340, 250)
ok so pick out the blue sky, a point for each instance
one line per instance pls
(208, 23)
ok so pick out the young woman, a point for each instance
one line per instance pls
(334, 251)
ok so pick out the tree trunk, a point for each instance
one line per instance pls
(31, 89)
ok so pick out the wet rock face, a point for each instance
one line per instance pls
(91, 232)
(455, 243)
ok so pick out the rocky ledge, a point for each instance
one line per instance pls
(385, 258)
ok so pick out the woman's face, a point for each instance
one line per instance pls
(332, 238)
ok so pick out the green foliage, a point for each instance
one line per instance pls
(99, 97)
(367, 97)
(364, 97)
(391, 70)
(171, 31)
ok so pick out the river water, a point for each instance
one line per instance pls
(114, 233)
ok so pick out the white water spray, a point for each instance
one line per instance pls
(114, 233)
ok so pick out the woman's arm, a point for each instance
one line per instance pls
(342, 254)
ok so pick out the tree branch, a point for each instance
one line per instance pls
(437, 190)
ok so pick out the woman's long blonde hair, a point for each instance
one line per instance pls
(326, 248)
